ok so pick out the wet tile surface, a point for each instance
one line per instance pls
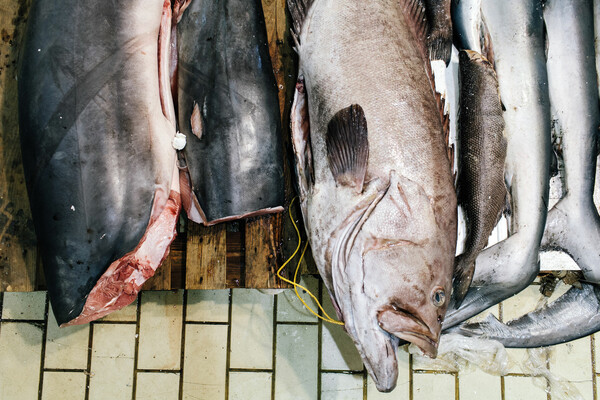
(157, 386)
(275, 346)
(29, 306)
(112, 362)
(161, 316)
(252, 329)
(63, 386)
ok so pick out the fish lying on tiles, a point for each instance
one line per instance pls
(229, 112)
(573, 224)
(511, 265)
(376, 186)
(481, 188)
(97, 152)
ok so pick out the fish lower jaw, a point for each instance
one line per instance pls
(427, 345)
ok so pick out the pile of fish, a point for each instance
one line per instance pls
(377, 188)
(130, 113)
(103, 91)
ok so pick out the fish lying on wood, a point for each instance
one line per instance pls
(97, 150)
(573, 224)
(228, 109)
(481, 188)
(511, 265)
(376, 187)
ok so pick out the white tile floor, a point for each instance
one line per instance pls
(238, 345)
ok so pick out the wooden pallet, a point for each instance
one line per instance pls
(244, 253)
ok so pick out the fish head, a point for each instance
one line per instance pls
(398, 270)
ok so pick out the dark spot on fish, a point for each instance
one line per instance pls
(5, 35)
(89, 231)
(208, 39)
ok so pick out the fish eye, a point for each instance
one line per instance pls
(438, 297)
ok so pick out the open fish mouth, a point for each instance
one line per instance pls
(407, 326)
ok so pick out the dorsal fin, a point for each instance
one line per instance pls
(416, 18)
(348, 147)
(298, 10)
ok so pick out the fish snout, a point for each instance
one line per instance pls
(407, 326)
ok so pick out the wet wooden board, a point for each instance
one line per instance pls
(244, 253)
(18, 253)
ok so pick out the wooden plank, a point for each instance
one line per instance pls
(18, 252)
(206, 257)
(263, 239)
(162, 277)
(236, 266)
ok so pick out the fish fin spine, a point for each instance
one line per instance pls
(298, 10)
(348, 147)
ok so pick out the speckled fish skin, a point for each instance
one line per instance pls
(511, 265)
(235, 162)
(385, 248)
(481, 188)
(573, 224)
(96, 146)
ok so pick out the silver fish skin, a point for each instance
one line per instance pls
(482, 153)
(467, 21)
(573, 224)
(509, 266)
(383, 230)
(572, 316)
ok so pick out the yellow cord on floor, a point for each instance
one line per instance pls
(297, 285)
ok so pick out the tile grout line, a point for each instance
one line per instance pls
(410, 377)
(594, 378)
(274, 350)
(320, 342)
(43, 350)
(182, 347)
(456, 386)
(89, 361)
(1, 309)
(365, 382)
(228, 355)
(136, 354)
(501, 319)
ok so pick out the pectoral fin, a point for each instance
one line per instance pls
(348, 147)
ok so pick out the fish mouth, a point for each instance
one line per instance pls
(407, 326)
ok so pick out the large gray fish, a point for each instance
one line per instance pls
(376, 187)
(97, 150)
(509, 266)
(573, 224)
(229, 111)
(482, 152)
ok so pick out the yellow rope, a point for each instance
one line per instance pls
(297, 285)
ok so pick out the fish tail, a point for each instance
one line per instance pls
(463, 276)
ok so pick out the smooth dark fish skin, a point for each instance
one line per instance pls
(91, 125)
(481, 188)
(224, 70)
(572, 316)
